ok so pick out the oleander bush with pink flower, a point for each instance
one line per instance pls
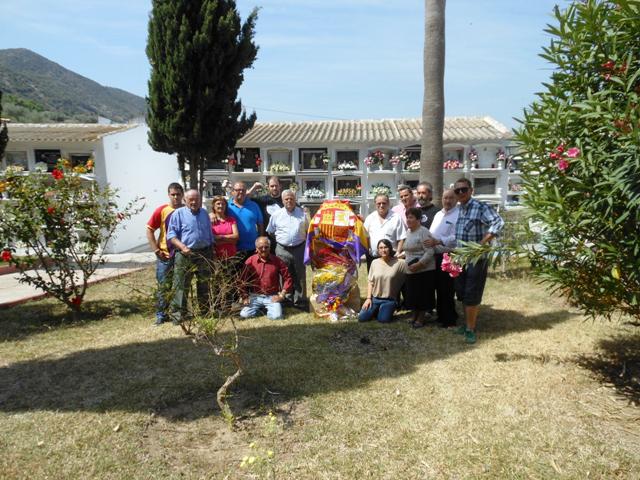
(581, 141)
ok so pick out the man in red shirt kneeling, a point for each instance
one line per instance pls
(265, 282)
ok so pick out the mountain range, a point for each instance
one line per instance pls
(37, 90)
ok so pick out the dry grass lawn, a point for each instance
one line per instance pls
(543, 394)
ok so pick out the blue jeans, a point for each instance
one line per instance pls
(381, 308)
(164, 272)
(259, 302)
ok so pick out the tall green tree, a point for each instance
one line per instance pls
(4, 134)
(198, 50)
(431, 156)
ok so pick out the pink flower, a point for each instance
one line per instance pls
(560, 148)
(449, 266)
(573, 152)
(554, 156)
(563, 164)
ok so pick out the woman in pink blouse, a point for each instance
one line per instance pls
(225, 230)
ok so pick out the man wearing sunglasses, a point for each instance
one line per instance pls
(477, 222)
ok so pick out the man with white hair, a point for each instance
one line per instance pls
(289, 226)
(192, 238)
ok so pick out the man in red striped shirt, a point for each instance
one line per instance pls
(164, 259)
(265, 282)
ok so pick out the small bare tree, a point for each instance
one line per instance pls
(215, 326)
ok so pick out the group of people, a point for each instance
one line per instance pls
(265, 238)
(407, 244)
(188, 239)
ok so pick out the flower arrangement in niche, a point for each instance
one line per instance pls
(380, 189)
(348, 165)
(375, 158)
(473, 155)
(401, 157)
(314, 193)
(279, 167)
(501, 156)
(413, 166)
(258, 161)
(326, 159)
(451, 165)
(347, 192)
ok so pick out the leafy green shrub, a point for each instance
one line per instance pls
(582, 169)
(62, 220)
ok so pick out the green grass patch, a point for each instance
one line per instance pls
(110, 396)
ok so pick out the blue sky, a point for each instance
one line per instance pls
(335, 59)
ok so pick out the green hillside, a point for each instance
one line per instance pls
(38, 90)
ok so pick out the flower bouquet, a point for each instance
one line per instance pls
(450, 266)
(326, 159)
(279, 167)
(452, 165)
(375, 158)
(412, 166)
(401, 157)
(314, 193)
(349, 165)
(380, 189)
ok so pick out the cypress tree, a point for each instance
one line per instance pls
(198, 50)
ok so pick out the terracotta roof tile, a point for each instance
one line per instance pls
(456, 129)
(62, 132)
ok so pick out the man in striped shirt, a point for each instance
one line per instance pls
(479, 223)
(159, 221)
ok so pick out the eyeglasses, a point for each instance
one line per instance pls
(460, 190)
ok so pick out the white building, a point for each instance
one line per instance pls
(123, 159)
(300, 148)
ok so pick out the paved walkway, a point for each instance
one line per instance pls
(12, 292)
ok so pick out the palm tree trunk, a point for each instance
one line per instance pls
(431, 156)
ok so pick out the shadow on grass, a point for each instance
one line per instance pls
(617, 363)
(283, 361)
(21, 321)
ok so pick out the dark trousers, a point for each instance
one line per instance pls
(293, 257)
(185, 266)
(445, 290)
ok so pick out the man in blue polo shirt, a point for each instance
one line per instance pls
(249, 219)
(190, 234)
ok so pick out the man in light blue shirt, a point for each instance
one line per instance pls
(289, 227)
(191, 236)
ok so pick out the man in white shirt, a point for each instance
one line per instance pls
(383, 223)
(289, 226)
(443, 229)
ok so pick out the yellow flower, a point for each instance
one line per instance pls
(79, 169)
(3, 186)
(90, 164)
(66, 163)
